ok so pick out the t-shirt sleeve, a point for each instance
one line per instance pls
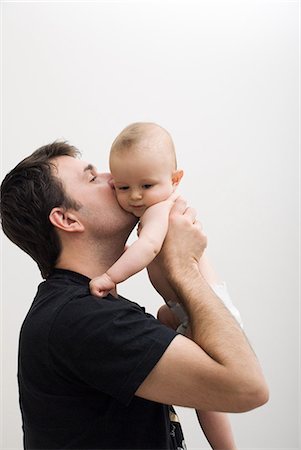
(108, 344)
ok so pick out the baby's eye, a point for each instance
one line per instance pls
(122, 188)
(147, 186)
(93, 179)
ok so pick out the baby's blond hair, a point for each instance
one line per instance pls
(144, 135)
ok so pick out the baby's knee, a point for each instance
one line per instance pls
(166, 316)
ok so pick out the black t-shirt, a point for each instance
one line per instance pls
(81, 360)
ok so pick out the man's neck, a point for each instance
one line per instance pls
(89, 258)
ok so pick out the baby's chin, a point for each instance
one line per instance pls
(138, 212)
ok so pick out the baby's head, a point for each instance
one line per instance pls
(144, 167)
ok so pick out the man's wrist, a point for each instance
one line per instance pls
(180, 276)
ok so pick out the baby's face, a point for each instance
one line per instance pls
(141, 180)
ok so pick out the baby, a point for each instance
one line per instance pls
(145, 176)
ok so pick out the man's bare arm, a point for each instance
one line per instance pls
(219, 370)
(217, 429)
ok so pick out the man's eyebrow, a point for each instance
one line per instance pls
(90, 167)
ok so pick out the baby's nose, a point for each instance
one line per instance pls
(136, 194)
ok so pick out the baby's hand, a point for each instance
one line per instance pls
(101, 286)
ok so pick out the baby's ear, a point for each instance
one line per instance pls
(176, 177)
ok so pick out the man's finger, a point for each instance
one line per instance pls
(198, 225)
(179, 206)
(190, 213)
(174, 196)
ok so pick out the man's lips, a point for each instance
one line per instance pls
(111, 184)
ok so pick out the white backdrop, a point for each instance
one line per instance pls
(222, 77)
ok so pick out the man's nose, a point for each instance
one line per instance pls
(106, 177)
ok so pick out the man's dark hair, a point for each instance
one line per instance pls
(28, 194)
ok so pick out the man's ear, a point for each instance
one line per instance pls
(65, 220)
(176, 177)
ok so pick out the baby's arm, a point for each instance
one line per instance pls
(154, 225)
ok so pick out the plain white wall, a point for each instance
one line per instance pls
(222, 77)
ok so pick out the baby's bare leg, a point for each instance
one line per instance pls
(208, 271)
(219, 287)
(166, 316)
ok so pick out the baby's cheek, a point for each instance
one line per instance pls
(158, 197)
(122, 201)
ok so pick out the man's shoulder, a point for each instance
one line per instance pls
(61, 296)
(73, 303)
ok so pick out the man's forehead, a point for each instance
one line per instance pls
(70, 167)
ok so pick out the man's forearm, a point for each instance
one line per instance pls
(215, 330)
(220, 371)
(217, 429)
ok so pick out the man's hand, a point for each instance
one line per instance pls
(183, 246)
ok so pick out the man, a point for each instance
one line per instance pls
(100, 373)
